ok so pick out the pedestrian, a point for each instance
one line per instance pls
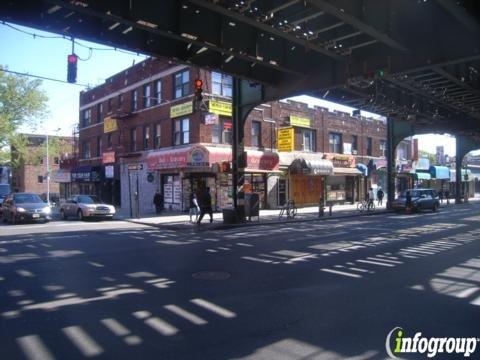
(371, 198)
(380, 195)
(447, 196)
(408, 202)
(440, 195)
(194, 208)
(206, 206)
(158, 201)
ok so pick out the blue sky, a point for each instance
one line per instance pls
(25, 53)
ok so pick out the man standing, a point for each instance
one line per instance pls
(206, 206)
(194, 208)
(371, 198)
(158, 201)
(380, 195)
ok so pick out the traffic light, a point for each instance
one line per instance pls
(72, 68)
(198, 90)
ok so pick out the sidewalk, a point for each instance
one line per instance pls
(173, 220)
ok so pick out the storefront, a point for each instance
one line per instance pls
(344, 184)
(64, 178)
(440, 176)
(86, 180)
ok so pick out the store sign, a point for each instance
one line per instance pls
(262, 161)
(108, 157)
(299, 121)
(211, 119)
(181, 109)
(61, 176)
(285, 138)
(172, 159)
(109, 172)
(168, 193)
(198, 156)
(220, 107)
(109, 124)
(339, 160)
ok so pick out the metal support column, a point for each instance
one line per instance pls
(390, 164)
(458, 167)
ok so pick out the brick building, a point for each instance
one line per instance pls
(31, 174)
(139, 133)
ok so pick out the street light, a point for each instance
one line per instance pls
(48, 167)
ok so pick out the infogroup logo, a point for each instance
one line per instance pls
(398, 344)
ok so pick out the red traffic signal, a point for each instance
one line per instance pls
(72, 68)
(198, 84)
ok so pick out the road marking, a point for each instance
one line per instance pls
(87, 346)
(375, 263)
(337, 272)
(115, 327)
(214, 308)
(186, 314)
(33, 348)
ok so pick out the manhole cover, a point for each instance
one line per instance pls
(211, 275)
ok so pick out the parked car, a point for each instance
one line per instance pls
(421, 199)
(5, 189)
(86, 206)
(25, 207)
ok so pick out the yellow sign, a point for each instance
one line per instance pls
(285, 138)
(220, 107)
(109, 124)
(181, 109)
(299, 121)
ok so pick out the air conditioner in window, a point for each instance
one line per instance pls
(354, 152)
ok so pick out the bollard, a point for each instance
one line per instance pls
(321, 208)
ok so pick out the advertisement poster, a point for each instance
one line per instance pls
(168, 193)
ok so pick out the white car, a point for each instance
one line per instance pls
(86, 206)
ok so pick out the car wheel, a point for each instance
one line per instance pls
(80, 215)
(63, 215)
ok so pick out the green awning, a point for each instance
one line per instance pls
(423, 176)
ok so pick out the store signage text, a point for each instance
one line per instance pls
(109, 125)
(299, 121)
(220, 107)
(181, 109)
(285, 138)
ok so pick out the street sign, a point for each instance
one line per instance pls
(135, 167)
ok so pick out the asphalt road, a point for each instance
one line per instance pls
(314, 290)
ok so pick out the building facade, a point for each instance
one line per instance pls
(141, 132)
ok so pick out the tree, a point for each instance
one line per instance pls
(22, 104)
(429, 156)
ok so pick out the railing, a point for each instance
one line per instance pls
(289, 210)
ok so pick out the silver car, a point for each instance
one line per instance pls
(86, 206)
(421, 199)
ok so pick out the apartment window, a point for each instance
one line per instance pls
(99, 112)
(133, 139)
(146, 96)
(308, 140)
(335, 142)
(109, 141)
(383, 148)
(157, 134)
(109, 105)
(99, 146)
(134, 100)
(222, 132)
(369, 146)
(86, 118)
(182, 84)
(256, 134)
(354, 144)
(181, 132)
(221, 84)
(120, 101)
(157, 92)
(146, 137)
(40, 179)
(86, 150)
(56, 160)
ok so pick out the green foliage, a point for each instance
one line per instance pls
(32, 155)
(22, 104)
(427, 155)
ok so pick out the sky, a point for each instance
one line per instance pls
(47, 57)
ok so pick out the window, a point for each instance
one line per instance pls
(182, 84)
(86, 117)
(56, 160)
(120, 101)
(99, 112)
(335, 142)
(256, 134)
(86, 150)
(221, 84)
(134, 100)
(354, 144)
(133, 139)
(157, 92)
(146, 137)
(99, 146)
(181, 132)
(109, 141)
(157, 134)
(222, 132)
(308, 140)
(40, 179)
(369, 146)
(109, 105)
(146, 96)
(383, 148)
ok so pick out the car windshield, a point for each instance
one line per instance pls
(88, 199)
(27, 198)
(5, 189)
